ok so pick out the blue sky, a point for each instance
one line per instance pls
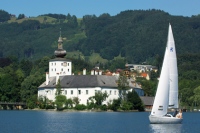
(80, 8)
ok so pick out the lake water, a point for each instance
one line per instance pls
(91, 122)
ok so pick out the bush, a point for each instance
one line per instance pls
(116, 104)
(103, 107)
(80, 107)
(50, 107)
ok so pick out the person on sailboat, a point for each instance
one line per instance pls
(175, 113)
(179, 115)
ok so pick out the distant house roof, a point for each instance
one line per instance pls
(144, 75)
(147, 100)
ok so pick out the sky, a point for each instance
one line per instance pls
(79, 8)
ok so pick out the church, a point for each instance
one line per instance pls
(80, 86)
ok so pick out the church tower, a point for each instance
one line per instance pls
(60, 65)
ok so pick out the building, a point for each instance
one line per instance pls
(80, 86)
(141, 68)
(148, 102)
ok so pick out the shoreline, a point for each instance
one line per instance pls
(73, 110)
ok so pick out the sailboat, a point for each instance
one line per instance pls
(167, 89)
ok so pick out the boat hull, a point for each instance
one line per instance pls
(164, 120)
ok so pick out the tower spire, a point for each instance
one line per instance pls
(60, 52)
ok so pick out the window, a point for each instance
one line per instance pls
(51, 69)
(67, 64)
(65, 92)
(55, 64)
(71, 92)
(52, 64)
(110, 92)
(64, 64)
(86, 92)
(61, 69)
(79, 92)
(61, 64)
(68, 70)
(115, 92)
(55, 69)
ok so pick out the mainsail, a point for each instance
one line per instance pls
(173, 71)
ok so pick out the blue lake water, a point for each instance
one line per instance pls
(91, 122)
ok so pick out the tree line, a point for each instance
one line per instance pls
(136, 35)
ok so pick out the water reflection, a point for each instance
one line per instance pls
(165, 128)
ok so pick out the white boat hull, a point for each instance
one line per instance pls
(164, 120)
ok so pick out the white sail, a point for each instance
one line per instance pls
(167, 90)
(173, 71)
(161, 100)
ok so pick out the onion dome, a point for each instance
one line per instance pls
(60, 52)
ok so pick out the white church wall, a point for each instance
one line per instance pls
(82, 93)
(60, 67)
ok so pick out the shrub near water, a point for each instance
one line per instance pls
(80, 107)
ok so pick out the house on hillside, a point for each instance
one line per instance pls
(145, 75)
(80, 86)
(141, 68)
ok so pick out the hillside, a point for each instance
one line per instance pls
(136, 35)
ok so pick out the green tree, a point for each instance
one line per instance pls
(60, 101)
(58, 88)
(30, 85)
(196, 97)
(32, 101)
(69, 103)
(45, 20)
(21, 16)
(115, 104)
(4, 16)
(126, 105)
(134, 99)
(100, 97)
(123, 85)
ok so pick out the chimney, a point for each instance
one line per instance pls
(57, 78)
(96, 72)
(92, 72)
(100, 72)
(47, 78)
(84, 71)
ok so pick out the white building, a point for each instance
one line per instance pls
(141, 68)
(81, 86)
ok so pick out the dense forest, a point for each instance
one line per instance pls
(137, 36)
(26, 45)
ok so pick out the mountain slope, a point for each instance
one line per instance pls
(136, 35)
